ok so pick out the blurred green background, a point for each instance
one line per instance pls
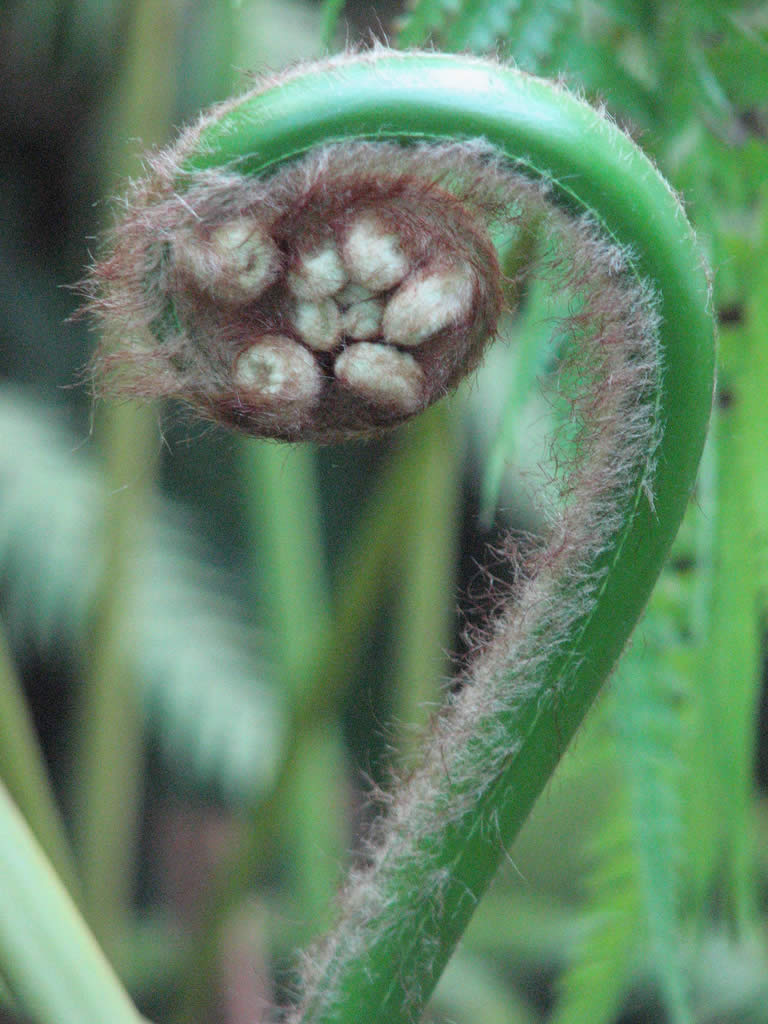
(224, 643)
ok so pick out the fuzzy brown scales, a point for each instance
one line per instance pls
(340, 296)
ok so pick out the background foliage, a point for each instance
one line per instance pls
(222, 642)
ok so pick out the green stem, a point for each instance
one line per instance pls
(292, 579)
(363, 575)
(283, 509)
(402, 923)
(108, 758)
(426, 591)
(108, 754)
(332, 10)
(733, 648)
(23, 770)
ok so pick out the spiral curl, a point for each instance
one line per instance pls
(338, 297)
(315, 260)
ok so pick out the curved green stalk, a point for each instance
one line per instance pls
(497, 745)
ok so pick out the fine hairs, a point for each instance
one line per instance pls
(337, 292)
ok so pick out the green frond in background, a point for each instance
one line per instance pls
(529, 31)
(517, 419)
(639, 851)
(207, 704)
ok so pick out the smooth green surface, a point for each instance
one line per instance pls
(595, 167)
(50, 960)
(427, 585)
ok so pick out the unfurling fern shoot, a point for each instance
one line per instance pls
(322, 258)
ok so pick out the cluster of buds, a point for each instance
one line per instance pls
(342, 295)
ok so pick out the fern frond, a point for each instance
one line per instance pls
(508, 410)
(528, 30)
(594, 986)
(206, 699)
(641, 848)
(649, 726)
(426, 19)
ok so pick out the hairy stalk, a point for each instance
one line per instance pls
(318, 259)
